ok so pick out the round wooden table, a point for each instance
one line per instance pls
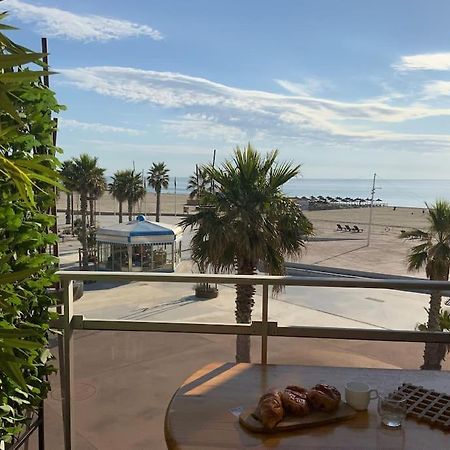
(203, 413)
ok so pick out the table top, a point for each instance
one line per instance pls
(203, 413)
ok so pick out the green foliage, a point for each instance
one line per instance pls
(198, 183)
(158, 178)
(127, 186)
(85, 176)
(247, 217)
(28, 173)
(433, 252)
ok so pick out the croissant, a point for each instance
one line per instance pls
(323, 397)
(270, 409)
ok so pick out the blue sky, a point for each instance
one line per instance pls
(346, 87)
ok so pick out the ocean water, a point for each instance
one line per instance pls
(413, 193)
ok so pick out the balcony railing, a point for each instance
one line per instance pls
(68, 321)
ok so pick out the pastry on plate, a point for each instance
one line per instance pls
(270, 409)
(323, 397)
(295, 401)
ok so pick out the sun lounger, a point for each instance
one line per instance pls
(357, 229)
(339, 227)
(347, 228)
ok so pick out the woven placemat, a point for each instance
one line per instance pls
(425, 404)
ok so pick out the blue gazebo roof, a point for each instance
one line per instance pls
(138, 231)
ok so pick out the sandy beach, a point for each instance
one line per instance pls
(329, 247)
(106, 204)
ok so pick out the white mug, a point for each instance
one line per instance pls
(358, 395)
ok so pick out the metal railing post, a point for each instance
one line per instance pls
(265, 325)
(66, 387)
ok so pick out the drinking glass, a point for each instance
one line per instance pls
(392, 411)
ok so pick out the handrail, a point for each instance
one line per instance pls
(398, 284)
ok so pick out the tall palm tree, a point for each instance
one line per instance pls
(198, 183)
(127, 186)
(247, 222)
(158, 178)
(135, 190)
(97, 188)
(117, 188)
(433, 254)
(67, 179)
(86, 177)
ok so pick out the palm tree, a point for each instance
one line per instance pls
(97, 187)
(127, 186)
(247, 222)
(198, 183)
(158, 178)
(117, 188)
(67, 179)
(433, 254)
(135, 190)
(87, 176)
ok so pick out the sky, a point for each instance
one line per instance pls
(344, 87)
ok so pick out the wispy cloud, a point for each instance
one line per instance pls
(98, 127)
(308, 87)
(303, 117)
(424, 61)
(436, 88)
(147, 149)
(201, 126)
(57, 22)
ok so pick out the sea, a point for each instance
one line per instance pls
(410, 193)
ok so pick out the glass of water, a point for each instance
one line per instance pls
(392, 411)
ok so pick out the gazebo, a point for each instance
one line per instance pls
(139, 246)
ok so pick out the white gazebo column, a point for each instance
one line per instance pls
(173, 256)
(130, 257)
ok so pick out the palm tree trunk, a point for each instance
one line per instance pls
(244, 306)
(120, 211)
(68, 197)
(433, 354)
(158, 204)
(130, 210)
(83, 232)
(91, 212)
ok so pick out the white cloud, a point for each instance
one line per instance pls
(98, 127)
(424, 61)
(308, 87)
(56, 22)
(436, 88)
(312, 118)
(147, 149)
(201, 126)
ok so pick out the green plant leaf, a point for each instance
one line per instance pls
(16, 276)
(7, 61)
(19, 343)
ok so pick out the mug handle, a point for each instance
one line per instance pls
(375, 393)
